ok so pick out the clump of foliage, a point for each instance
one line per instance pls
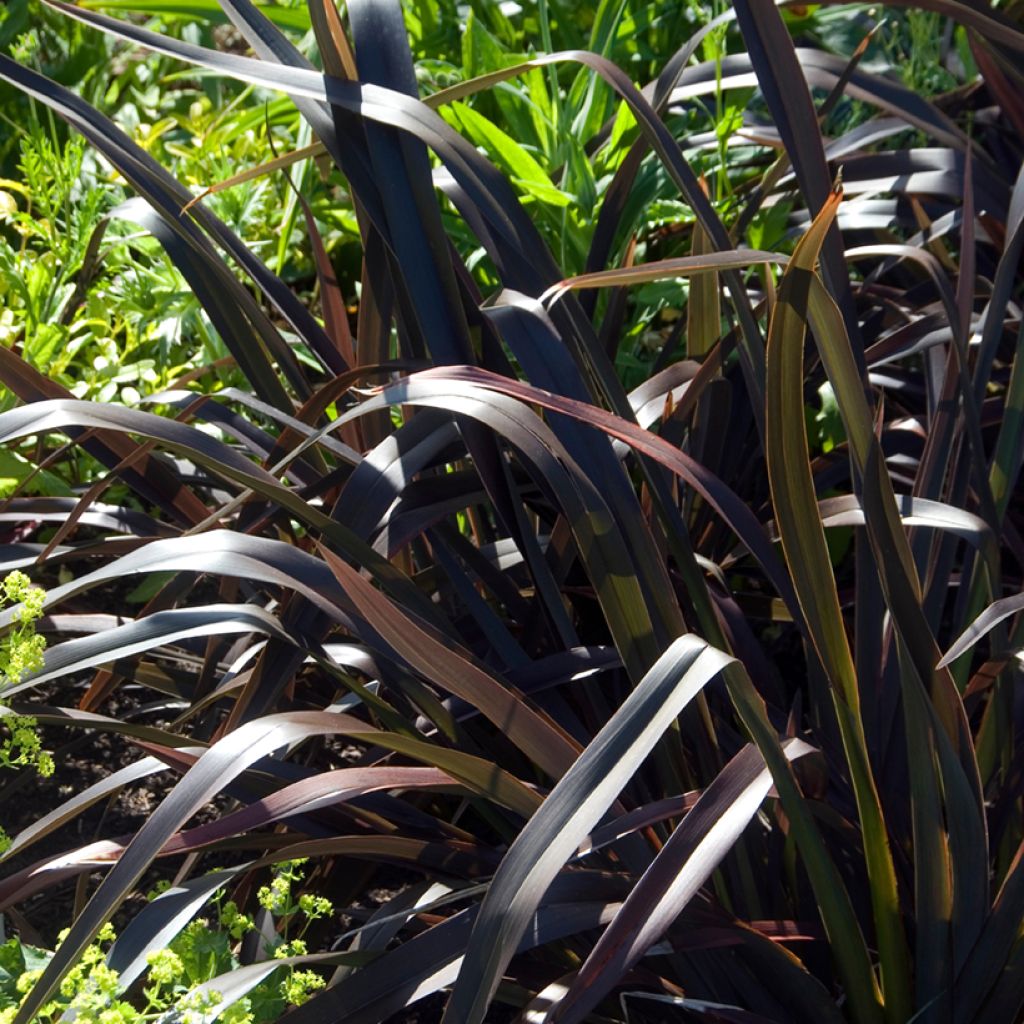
(609, 584)
(88, 298)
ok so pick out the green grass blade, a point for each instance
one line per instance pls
(296, 19)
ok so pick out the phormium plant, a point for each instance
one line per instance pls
(640, 704)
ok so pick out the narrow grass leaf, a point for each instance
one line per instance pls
(295, 19)
(156, 630)
(535, 734)
(446, 385)
(782, 84)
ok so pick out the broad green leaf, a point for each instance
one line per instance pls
(504, 148)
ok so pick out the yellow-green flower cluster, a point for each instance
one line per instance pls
(23, 746)
(315, 906)
(165, 967)
(88, 994)
(294, 947)
(21, 651)
(24, 654)
(161, 887)
(300, 986)
(199, 1006)
(181, 978)
(234, 920)
(277, 897)
(18, 588)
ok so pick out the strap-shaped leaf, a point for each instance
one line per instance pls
(535, 734)
(782, 84)
(803, 541)
(570, 812)
(467, 388)
(161, 920)
(166, 627)
(693, 851)
(987, 620)
(219, 458)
